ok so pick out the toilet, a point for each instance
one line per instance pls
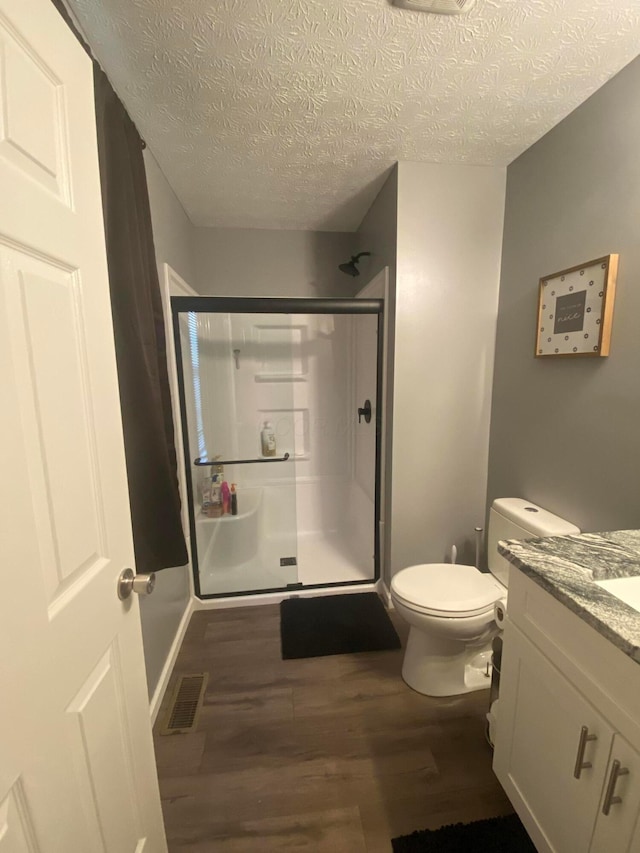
(450, 607)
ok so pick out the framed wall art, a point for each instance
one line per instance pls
(575, 310)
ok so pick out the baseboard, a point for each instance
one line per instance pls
(165, 675)
(385, 594)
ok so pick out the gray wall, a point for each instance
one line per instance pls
(439, 229)
(565, 433)
(256, 262)
(161, 612)
(378, 234)
(450, 223)
(173, 232)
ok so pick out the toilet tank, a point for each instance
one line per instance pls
(514, 518)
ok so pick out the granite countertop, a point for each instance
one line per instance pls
(568, 566)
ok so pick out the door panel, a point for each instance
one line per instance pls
(16, 831)
(541, 716)
(77, 771)
(47, 344)
(230, 388)
(615, 831)
(98, 739)
(34, 139)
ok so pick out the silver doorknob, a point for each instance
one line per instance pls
(129, 582)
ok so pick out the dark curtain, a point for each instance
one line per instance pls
(138, 323)
(139, 333)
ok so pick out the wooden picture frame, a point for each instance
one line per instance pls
(575, 310)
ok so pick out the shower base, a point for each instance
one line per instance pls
(328, 558)
(322, 558)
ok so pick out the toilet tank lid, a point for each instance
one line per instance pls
(532, 518)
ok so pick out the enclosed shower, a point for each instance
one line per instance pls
(281, 432)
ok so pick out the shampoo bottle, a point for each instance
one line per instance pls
(234, 500)
(205, 487)
(225, 498)
(215, 507)
(268, 439)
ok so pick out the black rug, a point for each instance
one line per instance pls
(496, 835)
(335, 625)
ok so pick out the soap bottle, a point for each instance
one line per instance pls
(234, 500)
(217, 473)
(215, 507)
(268, 439)
(225, 498)
(205, 487)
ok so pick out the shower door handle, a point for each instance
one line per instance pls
(365, 412)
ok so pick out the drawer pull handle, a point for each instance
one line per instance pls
(581, 764)
(609, 798)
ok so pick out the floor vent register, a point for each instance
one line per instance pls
(186, 701)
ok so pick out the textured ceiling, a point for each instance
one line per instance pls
(288, 113)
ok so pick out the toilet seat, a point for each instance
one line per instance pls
(444, 614)
(446, 590)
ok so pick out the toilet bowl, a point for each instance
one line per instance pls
(450, 612)
(450, 607)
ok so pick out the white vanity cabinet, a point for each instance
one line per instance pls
(567, 748)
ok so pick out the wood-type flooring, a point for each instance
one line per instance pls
(325, 755)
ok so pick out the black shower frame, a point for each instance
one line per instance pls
(276, 305)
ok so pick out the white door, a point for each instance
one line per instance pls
(77, 772)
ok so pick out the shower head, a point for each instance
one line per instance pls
(351, 268)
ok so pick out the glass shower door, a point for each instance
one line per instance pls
(337, 438)
(237, 374)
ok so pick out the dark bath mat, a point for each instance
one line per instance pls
(335, 625)
(496, 835)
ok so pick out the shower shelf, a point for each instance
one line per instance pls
(200, 461)
(281, 377)
(201, 518)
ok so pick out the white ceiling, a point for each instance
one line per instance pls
(288, 113)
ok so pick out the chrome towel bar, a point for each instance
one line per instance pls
(200, 461)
